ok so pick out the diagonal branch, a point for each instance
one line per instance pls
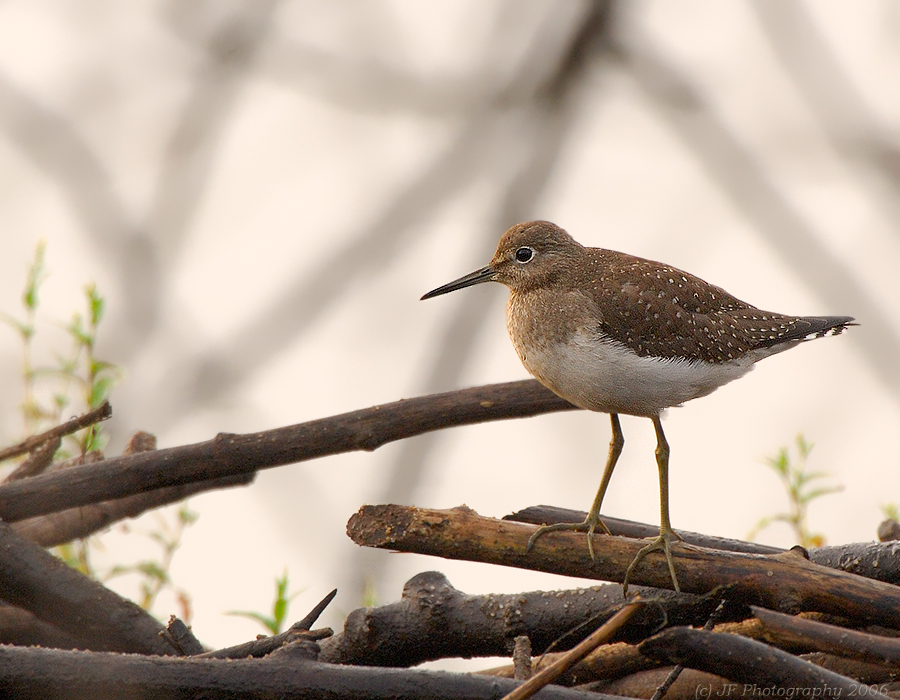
(230, 454)
(101, 413)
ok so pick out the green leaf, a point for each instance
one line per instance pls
(96, 304)
(35, 278)
(100, 391)
(267, 622)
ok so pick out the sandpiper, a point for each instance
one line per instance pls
(615, 333)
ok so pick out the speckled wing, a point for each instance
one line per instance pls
(660, 311)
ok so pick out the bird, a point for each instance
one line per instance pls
(618, 334)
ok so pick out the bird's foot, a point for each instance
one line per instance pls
(663, 543)
(588, 526)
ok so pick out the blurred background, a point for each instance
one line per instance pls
(263, 190)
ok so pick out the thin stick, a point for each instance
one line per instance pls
(99, 414)
(576, 654)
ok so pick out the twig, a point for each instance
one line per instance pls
(606, 662)
(99, 414)
(230, 454)
(40, 458)
(552, 672)
(676, 671)
(521, 657)
(182, 639)
(307, 622)
(266, 645)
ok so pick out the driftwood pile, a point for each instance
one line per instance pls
(751, 621)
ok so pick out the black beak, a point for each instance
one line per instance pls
(485, 274)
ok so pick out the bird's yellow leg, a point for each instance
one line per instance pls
(592, 522)
(667, 535)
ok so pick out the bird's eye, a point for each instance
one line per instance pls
(524, 254)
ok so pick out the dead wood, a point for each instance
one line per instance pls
(75, 523)
(552, 672)
(67, 525)
(760, 667)
(434, 620)
(832, 639)
(21, 627)
(879, 561)
(262, 646)
(46, 674)
(38, 461)
(550, 515)
(690, 685)
(876, 560)
(609, 661)
(181, 638)
(33, 579)
(785, 582)
(862, 671)
(99, 414)
(229, 454)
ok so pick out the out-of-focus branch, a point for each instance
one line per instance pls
(101, 413)
(37, 673)
(230, 455)
(33, 579)
(741, 177)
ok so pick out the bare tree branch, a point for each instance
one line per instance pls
(746, 661)
(101, 413)
(230, 454)
(44, 674)
(785, 582)
(832, 639)
(741, 177)
(33, 579)
(434, 620)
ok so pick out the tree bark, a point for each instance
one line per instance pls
(785, 582)
(229, 454)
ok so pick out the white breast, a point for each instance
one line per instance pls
(603, 375)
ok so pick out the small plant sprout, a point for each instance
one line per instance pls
(154, 573)
(274, 623)
(798, 485)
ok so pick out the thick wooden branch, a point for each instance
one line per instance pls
(549, 515)
(33, 579)
(877, 560)
(228, 454)
(434, 620)
(832, 639)
(749, 662)
(20, 627)
(785, 582)
(45, 674)
(74, 523)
